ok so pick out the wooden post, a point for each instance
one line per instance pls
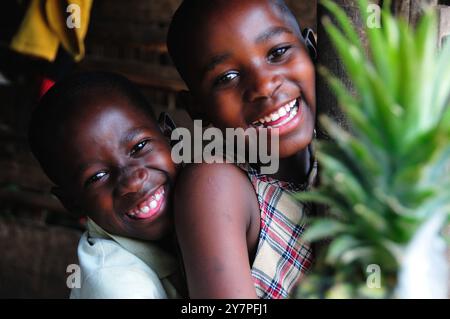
(444, 24)
(327, 57)
(412, 10)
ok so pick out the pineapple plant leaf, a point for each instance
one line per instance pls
(390, 174)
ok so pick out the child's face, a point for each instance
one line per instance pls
(118, 169)
(251, 69)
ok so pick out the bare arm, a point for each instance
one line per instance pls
(214, 204)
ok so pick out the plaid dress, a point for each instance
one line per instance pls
(282, 257)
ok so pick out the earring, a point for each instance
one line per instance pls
(310, 41)
(167, 126)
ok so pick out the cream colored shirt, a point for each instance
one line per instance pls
(115, 267)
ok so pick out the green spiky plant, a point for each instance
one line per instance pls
(390, 174)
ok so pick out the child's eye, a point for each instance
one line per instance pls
(226, 78)
(95, 178)
(276, 54)
(138, 147)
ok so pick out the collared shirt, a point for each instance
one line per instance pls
(116, 267)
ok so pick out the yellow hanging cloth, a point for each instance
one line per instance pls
(49, 23)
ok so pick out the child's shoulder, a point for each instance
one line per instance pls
(213, 170)
(110, 271)
(213, 190)
(212, 179)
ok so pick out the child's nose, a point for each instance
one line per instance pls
(262, 84)
(132, 181)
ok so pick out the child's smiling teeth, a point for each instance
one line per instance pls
(285, 113)
(149, 206)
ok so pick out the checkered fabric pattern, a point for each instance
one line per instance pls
(282, 257)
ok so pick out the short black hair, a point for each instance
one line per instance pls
(65, 99)
(186, 19)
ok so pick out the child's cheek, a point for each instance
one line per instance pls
(305, 77)
(226, 110)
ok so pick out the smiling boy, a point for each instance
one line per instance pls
(96, 139)
(246, 65)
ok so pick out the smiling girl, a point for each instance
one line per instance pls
(246, 65)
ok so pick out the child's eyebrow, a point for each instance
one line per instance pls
(83, 167)
(215, 61)
(271, 32)
(131, 134)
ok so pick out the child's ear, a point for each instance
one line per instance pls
(186, 100)
(66, 201)
(310, 42)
